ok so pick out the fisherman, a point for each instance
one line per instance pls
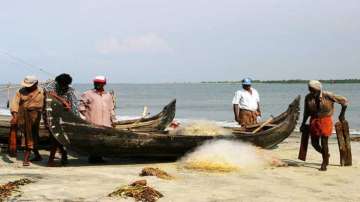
(246, 104)
(26, 108)
(97, 107)
(62, 90)
(319, 105)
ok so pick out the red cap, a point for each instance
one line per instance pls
(100, 79)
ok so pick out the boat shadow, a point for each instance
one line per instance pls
(82, 161)
(311, 165)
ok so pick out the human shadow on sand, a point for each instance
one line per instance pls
(295, 163)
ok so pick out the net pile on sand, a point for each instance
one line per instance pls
(228, 156)
(7, 189)
(148, 171)
(139, 191)
(201, 127)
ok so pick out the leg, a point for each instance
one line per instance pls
(35, 133)
(325, 153)
(26, 161)
(37, 155)
(315, 142)
(53, 149)
(64, 158)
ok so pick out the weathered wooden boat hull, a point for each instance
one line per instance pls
(158, 122)
(84, 138)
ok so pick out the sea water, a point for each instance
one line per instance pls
(212, 101)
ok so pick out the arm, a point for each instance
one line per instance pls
(14, 107)
(83, 104)
(236, 109)
(343, 101)
(236, 112)
(258, 109)
(342, 113)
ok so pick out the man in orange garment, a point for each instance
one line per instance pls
(319, 105)
(26, 108)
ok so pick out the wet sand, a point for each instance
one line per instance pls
(80, 181)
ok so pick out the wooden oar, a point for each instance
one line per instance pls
(262, 125)
(343, 136)
(304, 143)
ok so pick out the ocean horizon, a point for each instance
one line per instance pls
(212, 101)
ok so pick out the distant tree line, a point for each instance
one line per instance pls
(292, 81)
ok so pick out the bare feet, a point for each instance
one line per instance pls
(26, 163)
(323, 167)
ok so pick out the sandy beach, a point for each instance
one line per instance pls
(299, 181)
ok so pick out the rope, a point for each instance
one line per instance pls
(27, 64)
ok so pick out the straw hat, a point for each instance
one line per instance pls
(29, 81)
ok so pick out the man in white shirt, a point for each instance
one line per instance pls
(246, 104)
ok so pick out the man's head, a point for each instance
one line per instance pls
(99, 83)
(30, 83)
(246, 83)
(315, 87)
(63, 82)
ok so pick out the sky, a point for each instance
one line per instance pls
(157, 41)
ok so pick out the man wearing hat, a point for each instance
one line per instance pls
(319, 106)
(97, 107)
(26, 108)
(246, 104)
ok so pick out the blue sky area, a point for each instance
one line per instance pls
(142, 41)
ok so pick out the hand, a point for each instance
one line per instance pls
(258, 113)
(342, 118)
(113, 125)
(67, 106)
(14, 119)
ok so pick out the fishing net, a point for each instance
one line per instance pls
(229, 156)
(7, 189)
(156, 172)
(139, 191)
(202, 128)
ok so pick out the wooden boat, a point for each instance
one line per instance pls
(79, 136)
(157, 122)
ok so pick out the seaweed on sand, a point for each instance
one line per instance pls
(148, 171)
(139, 191)
(7, 189)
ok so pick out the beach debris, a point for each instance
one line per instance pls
(355, 139)
(149, 171)
(174, 124)
(201, 128)
(229, 156)
(9, 188)
(139, 191)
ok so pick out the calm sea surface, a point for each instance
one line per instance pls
(213, 101)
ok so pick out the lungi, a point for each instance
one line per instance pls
(30, 128)
(247, 117)
(321, 126)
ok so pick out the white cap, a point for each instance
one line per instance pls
(100, 79)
